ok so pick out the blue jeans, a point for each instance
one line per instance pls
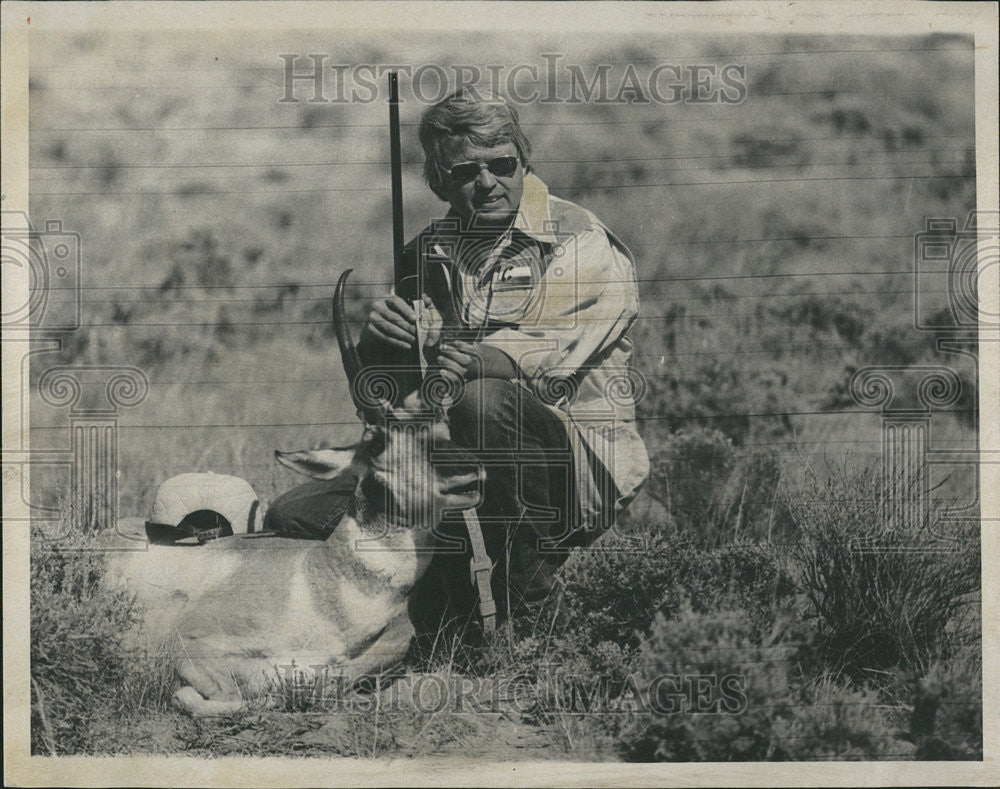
(528, 511)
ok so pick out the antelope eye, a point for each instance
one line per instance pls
(376, 446)
(374, 491)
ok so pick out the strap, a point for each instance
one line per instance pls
(418, 308)
(480, 565)
(480, 570)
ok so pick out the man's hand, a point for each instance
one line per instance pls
(392, 322)
(465, 361)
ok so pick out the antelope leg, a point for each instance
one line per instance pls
(200, 707)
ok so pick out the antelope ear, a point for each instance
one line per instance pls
(317, 463)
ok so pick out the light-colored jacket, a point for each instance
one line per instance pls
(557, 293)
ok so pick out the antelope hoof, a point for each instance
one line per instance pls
(198, 706)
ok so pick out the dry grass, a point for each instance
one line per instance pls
(91, 676)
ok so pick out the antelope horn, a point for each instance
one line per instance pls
(373, 414)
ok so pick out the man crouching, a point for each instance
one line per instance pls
(531, 298)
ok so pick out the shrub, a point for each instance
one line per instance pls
(947, 717)
(687, 476)
(882, 597)
(761, 509)
(720, 391)
(751, 704)
(83, 669)
(833, 721)
(826, 314)
(713, 494)
(608, 599)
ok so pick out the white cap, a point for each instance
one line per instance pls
(230, 497)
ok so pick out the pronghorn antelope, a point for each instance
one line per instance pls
(240, 608)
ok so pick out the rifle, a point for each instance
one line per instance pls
(406, 286)
(403, 285)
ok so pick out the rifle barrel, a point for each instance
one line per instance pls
(397, 183)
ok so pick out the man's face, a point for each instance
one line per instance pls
(487, 199)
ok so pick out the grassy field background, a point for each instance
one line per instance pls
(774, 246)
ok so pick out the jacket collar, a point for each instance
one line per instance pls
(533, 216)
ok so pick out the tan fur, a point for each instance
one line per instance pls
(240, 608)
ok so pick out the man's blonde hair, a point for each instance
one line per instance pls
(468, 115)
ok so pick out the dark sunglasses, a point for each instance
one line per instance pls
(464, 172)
